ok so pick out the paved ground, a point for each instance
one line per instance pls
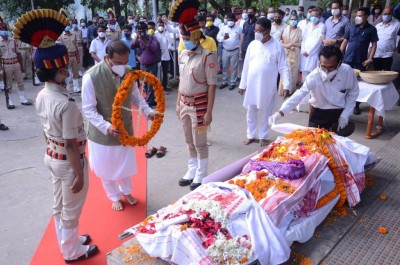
(25, 186)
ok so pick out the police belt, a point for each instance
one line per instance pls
(10, 61)
(72, 54)
(193, 100)
(231, 50)
(58, 151)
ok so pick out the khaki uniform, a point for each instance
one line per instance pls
(79, 41)
(198, 70)
(25, 50)
(61, 119)
(8, 53)
(70, 41)
(113, 34)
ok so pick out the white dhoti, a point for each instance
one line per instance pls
(115, 166)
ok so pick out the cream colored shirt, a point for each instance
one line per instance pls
(59, 114)
(8, 48)
(69, 40)
(78, 34)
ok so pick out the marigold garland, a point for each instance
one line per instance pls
(120, 97)
(383, 230)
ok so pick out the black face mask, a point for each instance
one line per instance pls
(251, 16)
(127, 35)
(142, 34)
(278, 21)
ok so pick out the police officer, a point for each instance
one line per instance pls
(12, 66)
(25, 50)
(195, 102)
(69, 40)
(79, 40)
(64, 135)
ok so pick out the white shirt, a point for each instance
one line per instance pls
(217, 22)
(175, 35)
(302, 25)
(387, 34)
(99, 47)
(341, 93)
(233, 41)
(277, 32)
(165, 41)
(84, 33)
(263, 60)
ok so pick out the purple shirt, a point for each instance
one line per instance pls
(148, 50)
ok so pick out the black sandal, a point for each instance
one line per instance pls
(3, 127)
(151, 152)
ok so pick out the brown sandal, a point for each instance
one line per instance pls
(248, 141)
(161, 151)
(151, 152)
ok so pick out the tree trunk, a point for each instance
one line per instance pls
(117, 9)
(221, 10)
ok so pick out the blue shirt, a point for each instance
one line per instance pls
(248, 33)
(358, 42)
(132, 58)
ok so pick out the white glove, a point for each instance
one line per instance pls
(274, 118)
(343, 121)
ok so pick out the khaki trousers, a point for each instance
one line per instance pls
(26, 62)
(196, 142)
(73, 63)
(80, 49)
(67, 205)
(14, 71)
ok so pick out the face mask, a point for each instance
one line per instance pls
(287, 13)
(112, 27)
(225, 21)
(258, 36)
(61, 78)
(245, 16)
(67, 28)
(231, 23)
(142, 34)
(308, 16)
(127, 35)
(4, 33)
(328, 10)
(189, 45)
(94, 20)
(251, 16)
(151, 31)
(74, 26)
(130, 21)
(83, 24)
(327, 76)
(67, 79)
(209, 24)
(377, 11)
(262, 16)
(314, 20)
(118, 69)
(270, 16)
(293, 23)
(386, 18)
(160, 29)
(335, 12)
(300, 12)
(358, 20)
(344, 12)
(108, 26)
(278, 21)
(101, 34)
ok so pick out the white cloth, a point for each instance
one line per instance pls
(115, 188)
(387, 34)
(252, 118)
(276, 32)
(342, 92)
(84, 33)
(379, 96)
(263, 60)
(99, 47)
(109, 162)
(311, 43)
(234, 37)
(165, 41)
(302, 25)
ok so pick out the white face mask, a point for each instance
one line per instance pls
(101, 34)
(335, 12)
(119, 69)
(270, 16)
(258, 36)
(160, 29)
(344, 12)
(358, 20)
(231, 23)
(328, 76)
(245, 16)
(83, 24)
(130, 21)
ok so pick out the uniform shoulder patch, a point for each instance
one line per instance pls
(211, 65)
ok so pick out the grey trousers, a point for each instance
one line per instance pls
(230, 58)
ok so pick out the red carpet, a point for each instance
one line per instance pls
(98, 219)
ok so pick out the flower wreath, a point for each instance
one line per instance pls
(120, 97)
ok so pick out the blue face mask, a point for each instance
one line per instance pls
(74, 26)
(189, 45)
(314, 20)
(387, 18)
(308, 15)
(4, 33)
(67, 28)
(293, 23)
(112, 27)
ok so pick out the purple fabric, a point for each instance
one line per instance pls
(293, 169)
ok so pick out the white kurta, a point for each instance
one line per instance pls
(260, 73)
(109, 162)
(312, 42)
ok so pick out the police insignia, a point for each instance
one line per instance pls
(211, 65)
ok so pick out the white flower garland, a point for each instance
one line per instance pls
(230, 251)
(213, 207)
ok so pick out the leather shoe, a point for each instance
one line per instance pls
(185, 182)
(194, 186)
(11, 107)
(87, 240)
(232, 87)
(223, 86)
(26, 103)
(93, 250)
(356, 111)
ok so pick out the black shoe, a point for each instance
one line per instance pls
(36, 84)
(219, 73)
(232, 87)
(223, 86)
(185, 182)
(26, 103)
(356, 111)
(11, 107)
(194, 186)
(3, 127)
(87, 240)
(93, 250)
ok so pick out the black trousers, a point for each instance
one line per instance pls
(150, 97)
(174, 55)
(323, 118)
(383, 64)
(164, 73)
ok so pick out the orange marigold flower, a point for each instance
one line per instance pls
(383, 197)
(383, 230)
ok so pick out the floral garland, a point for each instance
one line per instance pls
(120, 97)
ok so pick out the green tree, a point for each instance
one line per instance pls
(17, 8)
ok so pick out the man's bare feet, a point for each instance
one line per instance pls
(130, 199)
(117, 206)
